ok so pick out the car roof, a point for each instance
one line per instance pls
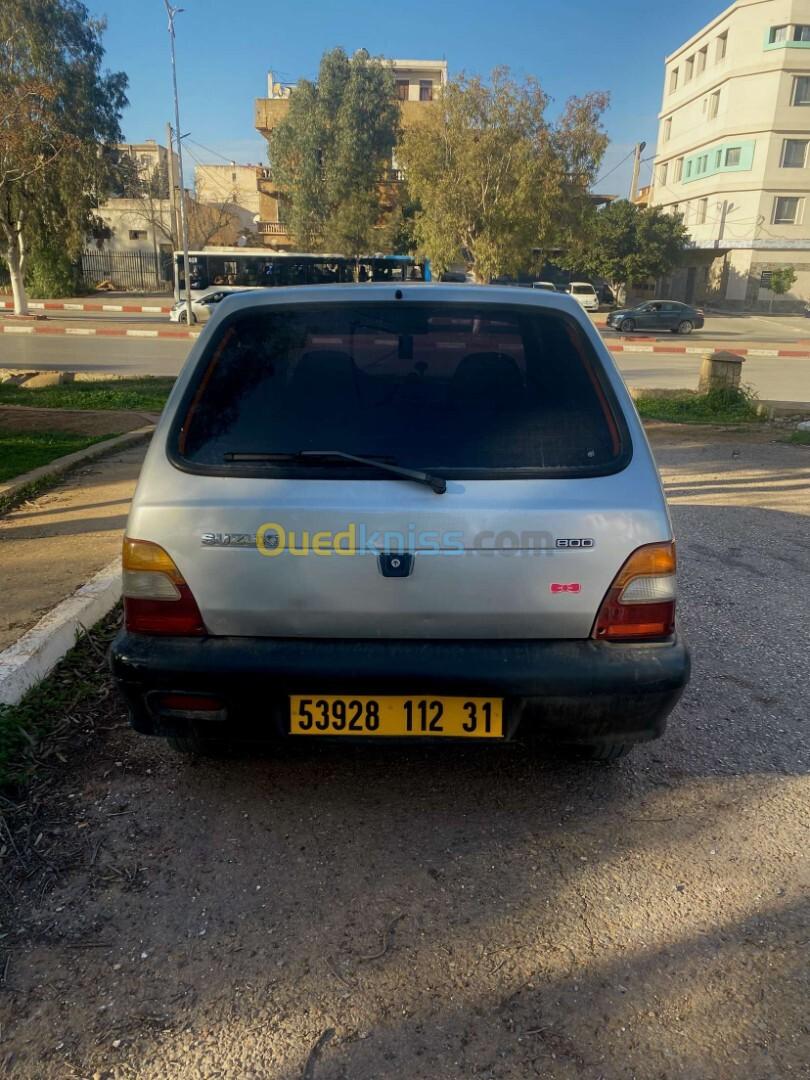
(383, 292)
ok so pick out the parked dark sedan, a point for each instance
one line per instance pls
(657, 315)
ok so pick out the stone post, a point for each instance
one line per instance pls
(720, 371)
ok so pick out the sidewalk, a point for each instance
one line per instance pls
(54, 544)
(128, 302)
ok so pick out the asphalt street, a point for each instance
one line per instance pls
(775, 378)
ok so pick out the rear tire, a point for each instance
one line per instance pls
(627, 326)
(685, 327)
(603, 751)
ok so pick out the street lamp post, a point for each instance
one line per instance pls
(171, 12)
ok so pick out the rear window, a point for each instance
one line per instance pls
(585, 290)
(454, 389)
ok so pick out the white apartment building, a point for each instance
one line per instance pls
(733, 154)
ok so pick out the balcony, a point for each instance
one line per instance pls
(272, 228)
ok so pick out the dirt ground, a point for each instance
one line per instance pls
(54, 543)
(18, 418)
(369, 913)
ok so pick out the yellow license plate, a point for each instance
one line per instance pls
(437, 717)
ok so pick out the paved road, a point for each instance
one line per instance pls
(783, 379)
(449, 913)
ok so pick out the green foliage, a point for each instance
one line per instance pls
(782, 280)
(146, 394)
(716, 407)
(332, 151)
(627, 243)
(22, 451)
(58, 108)
(50, 275)
(498, 184)
(799, 438)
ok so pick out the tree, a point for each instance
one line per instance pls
(626, 242)
(497, 183)
(332, 152)
(58, 110)
(782, 282)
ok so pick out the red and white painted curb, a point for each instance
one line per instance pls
(63, 305)
(180, 334)
(94, 331)
(680, 350)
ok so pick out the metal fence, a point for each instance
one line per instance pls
(128, 270)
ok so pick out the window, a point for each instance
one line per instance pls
(801, 90)
(714, 104)
(794, 153)
(688, 69)
(786, 210)
(403, 89)
(678, 170)
(777, 34)
(733, 155)
(662, 174)
(701, 59)
(801, 33)
(426, 90)
(689, 168)
(702, 207)
(703, 163)
(673, 80)
(515, 390)
(718, 158)
(722, 45)
(667, 128)
(137, 234)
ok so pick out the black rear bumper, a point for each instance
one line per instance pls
(568, 691)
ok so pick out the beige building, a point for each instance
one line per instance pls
(149, 156)
(419, 82)
(732, 154)
(236, 184)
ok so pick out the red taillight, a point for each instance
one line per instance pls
(157, 599)
(640, 604)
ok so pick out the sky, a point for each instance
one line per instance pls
(224, 51)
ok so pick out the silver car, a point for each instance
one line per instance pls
(202, 308)
(400, 512)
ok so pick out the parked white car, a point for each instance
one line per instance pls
(585, 294)
(202, 308)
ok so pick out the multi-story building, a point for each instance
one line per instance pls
(151, 159)
(732, 154)
(234, 184)
(418, 82)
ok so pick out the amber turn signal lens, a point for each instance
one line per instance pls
(640, 604)
(157, 599)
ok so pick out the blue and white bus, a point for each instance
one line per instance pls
(256, 268)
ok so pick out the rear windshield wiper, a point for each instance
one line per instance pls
(436, 483)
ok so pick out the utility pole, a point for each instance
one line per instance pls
(171, 12)
(640, 148)
(175, 224)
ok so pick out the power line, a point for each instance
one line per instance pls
(208, 150)
(615, 167)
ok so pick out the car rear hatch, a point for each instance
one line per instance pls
(509, 404)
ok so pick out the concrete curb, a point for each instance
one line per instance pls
(61, 305)
(37, 652)
(64, 464)
(95, 331)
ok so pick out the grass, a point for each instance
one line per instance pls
(25, 450)
(71, 700)
(145, 394)
(799, 438)
(716, 407)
